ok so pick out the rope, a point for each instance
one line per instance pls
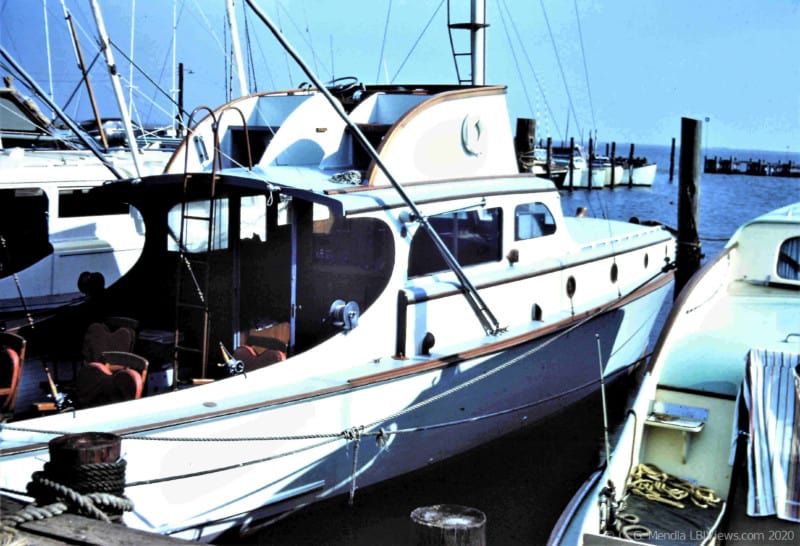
(650, 482)
(54, 498)
(354, 435)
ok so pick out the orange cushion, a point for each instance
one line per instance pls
(254, 359)
(9, 376)
(97, 384)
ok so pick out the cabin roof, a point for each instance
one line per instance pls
(310, 182)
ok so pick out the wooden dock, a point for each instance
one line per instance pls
(753, 167)
(74, 529)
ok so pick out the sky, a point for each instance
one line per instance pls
(617, 70)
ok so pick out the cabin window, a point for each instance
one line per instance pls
(23, 228)
(253, 223)
(533, 220)
(473, 237)
(75, 203)
(789, 259)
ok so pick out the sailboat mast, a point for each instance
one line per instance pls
(112, 69)
(237, 51)
(76, 47)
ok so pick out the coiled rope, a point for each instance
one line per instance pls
(650, 482)
(93, 490)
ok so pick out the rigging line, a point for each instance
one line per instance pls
(251, 65)
(130, 66)
(383, 42)
(530, 65)
(560, 68)
(416, 43)
(146, 76)
(47, 45)
(278, 7)
(88, 142)
(585, 67)
(516, 61)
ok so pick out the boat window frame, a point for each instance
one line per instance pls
(788, 258)
(541, 222)
(470, 246)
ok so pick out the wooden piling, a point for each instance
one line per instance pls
(591, 160)
(613, 162)
(571, 162)
(524, 142)
(689, 253)
(448, 525)
(672, 160)
(630, 166)
(549, 166)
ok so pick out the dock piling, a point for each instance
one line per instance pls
(688, 254)
(448, 525)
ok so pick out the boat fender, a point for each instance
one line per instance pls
(344, 315)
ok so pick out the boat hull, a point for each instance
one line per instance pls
(362, 432)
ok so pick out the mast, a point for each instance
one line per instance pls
(88, 142)
(477, 41)
(112, 69)
(237, 51)
(76, 47)
(479, 307)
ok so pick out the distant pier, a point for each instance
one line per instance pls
(754, 167)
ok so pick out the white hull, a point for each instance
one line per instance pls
(643, 175)
(539, 378)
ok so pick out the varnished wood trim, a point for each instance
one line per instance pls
(359, 382)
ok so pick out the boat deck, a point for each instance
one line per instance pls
(722, 335)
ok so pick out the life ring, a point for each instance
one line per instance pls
(473, 138)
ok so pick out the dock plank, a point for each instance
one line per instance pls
(74, 529)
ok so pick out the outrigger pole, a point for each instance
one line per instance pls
(88, 142)
(479, 307)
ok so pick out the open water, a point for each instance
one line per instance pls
(522, 482)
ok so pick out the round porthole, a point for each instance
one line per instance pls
(646, 260)
(614, 272)
(571, 285)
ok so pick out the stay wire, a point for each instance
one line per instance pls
(530, 66)
(585, 66)
(383, 42)
(561, 70)
(413, 47)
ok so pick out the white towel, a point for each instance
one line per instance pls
(772, 395)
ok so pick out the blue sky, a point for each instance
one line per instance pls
(625, 70)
